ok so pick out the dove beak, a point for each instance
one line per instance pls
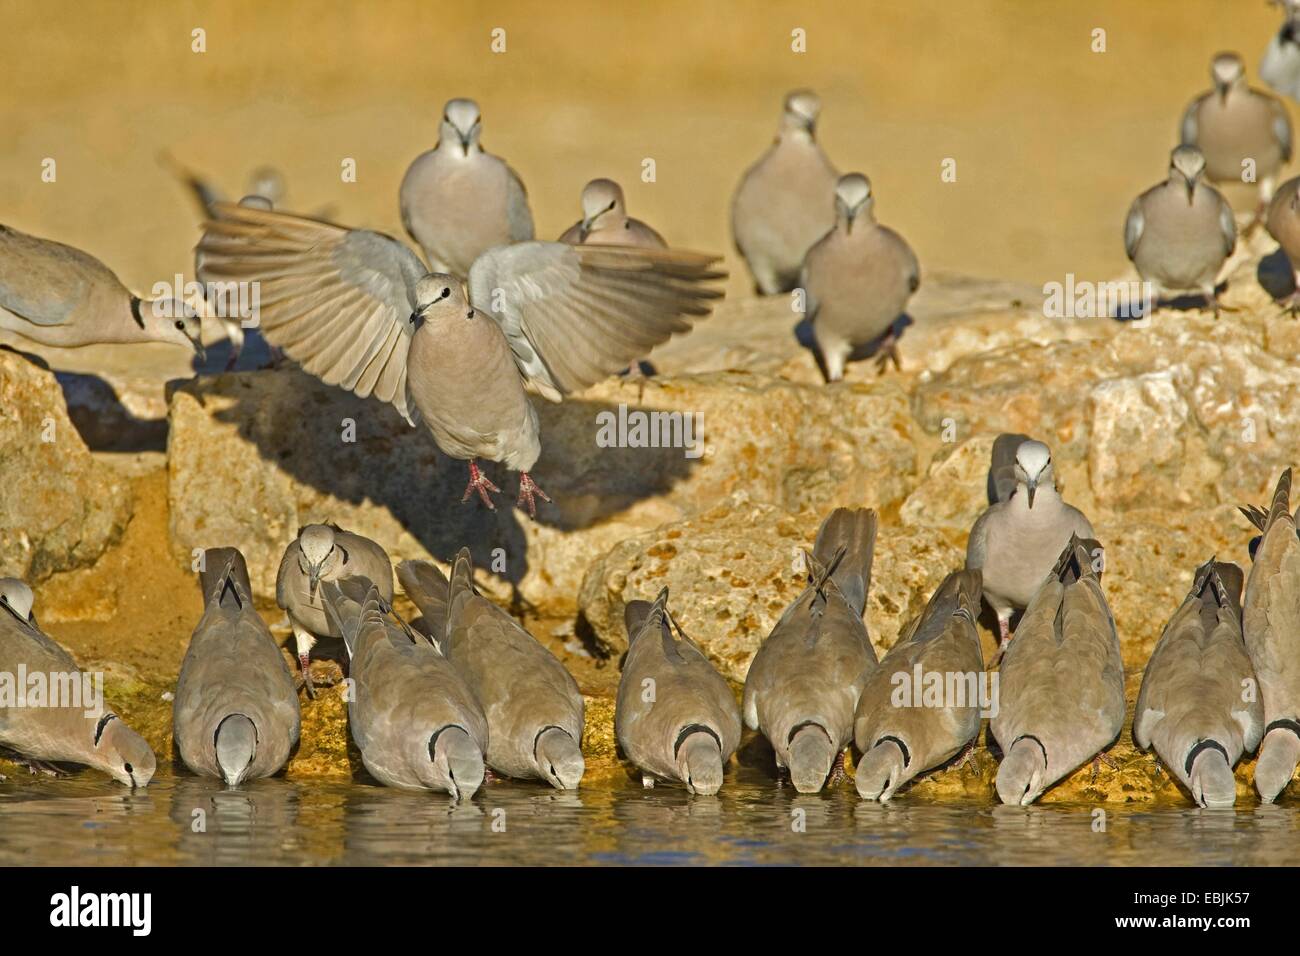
(1191, 192)
(199, 350)
(1031, 486)
(313, 582)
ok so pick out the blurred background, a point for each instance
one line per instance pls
(1052, 141)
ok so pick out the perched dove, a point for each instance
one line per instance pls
(1233, 126)
(1018, 539)
(533, 706)
(358, 309)
(675, 716)
(1283, 224)
(803, 685)
(57, 295)
(784, 201)
(235, 714)
(1271, 622)
(605, 220)
(413, 717)
(1061, 684)
(459, 201)
(63, 725)
(1280, 67)
(1194, 706)
(857, 280)
(324, 552)
(899, 743)
(1179, 233)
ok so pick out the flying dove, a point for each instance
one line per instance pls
(533, 706)
(857, 280)
(1061, 684)
(1194, 706)
(899, 743)
(803, 685)
(235, 714)
(1018, 539)
(1180, 232)
(1238, 129)
(605, 220)
(459, 201)
(57, 295)
(413, 717)
(324, 552)
(783, 203)
(358, 309)
(41, 733)
(1280, 67)
(675, 717)
(1271, 622)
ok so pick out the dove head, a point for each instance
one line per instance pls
(267, 182)
(699, 761)
(1034, 468)
(1021, 773)
(461, 125)
(881, 771)
(18, 597)
(801, 110)
(1212, 781)
(439, 296)
(317, 554)
(559, 759)
(1227, 70)
(853, 197)
(123, 753)
(1186, 166)
(456, 763)
(170, 320)
(810, 758)
(602, 199)
(236, 745)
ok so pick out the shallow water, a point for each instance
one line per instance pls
(90, 820)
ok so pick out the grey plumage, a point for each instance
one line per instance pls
(605, 220)
(1061, 687)
(68, 733)
(899, 743)
(235, 714)
(803, 685)
(675, 716)
(533, 707)
(1197, 706)
(413, 717)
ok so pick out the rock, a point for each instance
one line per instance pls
(59, 507)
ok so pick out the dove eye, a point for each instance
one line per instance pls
(180, 325)
(445, 293)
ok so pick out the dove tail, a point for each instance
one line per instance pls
(1077, 560)
(350, 604)
(429, 590)
(852, 532)
(224, 578)
(640, 616)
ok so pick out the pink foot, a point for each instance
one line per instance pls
(304, 662)
(528, 488)
(482, 484)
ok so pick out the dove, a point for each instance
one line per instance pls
(1271, 624)
(1193, 706)
(235, 714)
(675, 716)
(1018, 539)
(1233, 124)
(605, 220)
(1061, 684)
(63, 726)
(1180, 232)
(1283, 224)
(358, 309)
(1280, 67)
(899, 743)
(413, 717)
(857, 280)
(803, 685)
(533, 706)
(57, 295)
(458, 201)
(784, 202)
(324, 552)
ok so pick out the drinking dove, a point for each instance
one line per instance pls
(413, 717)
(1194, 706)
(1280, 67)
(899, 743)
(1180, 232)
(62, 723)
(857, 280)
(235, 714)
(1018, 539)
(1061, 687)
(803, 685)
(359, 310)
(1271, 622)
(324, 552)
(458, 201)
(57, 295)
(533, 706)
(605, 220)
(784, 201)
(675, 716)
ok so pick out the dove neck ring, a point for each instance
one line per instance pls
(1199, 749)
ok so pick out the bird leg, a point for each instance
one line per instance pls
(304, 664)
(888, 352)
(1004, 628)
(482, 484)
(966, 757)
(528, 488)
(1097, 761)
(837, 770)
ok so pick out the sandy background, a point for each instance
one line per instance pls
(1052, 140)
